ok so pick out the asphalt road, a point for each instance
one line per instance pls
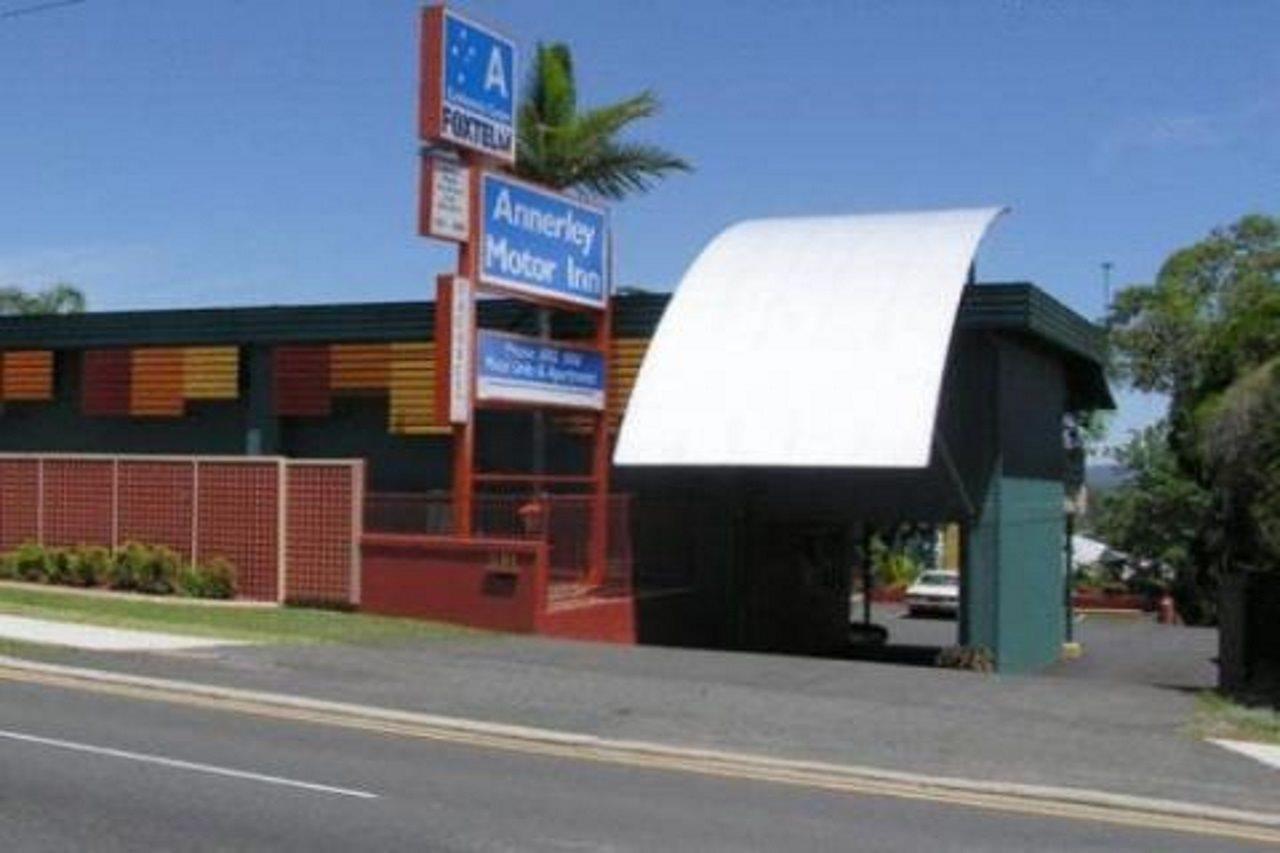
(82, 771)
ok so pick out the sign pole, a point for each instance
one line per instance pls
(600, 448)
(464, 434)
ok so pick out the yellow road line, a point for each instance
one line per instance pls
(723, 766)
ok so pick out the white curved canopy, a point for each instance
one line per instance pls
(806, 342)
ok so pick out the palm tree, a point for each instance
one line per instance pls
(565, 148)
(57, 299)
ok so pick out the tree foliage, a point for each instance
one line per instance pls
(1159, 514)
(56, 299)
(1207, 334)
(1212, 315)
(567, 148)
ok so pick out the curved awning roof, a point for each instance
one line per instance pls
(806, 342)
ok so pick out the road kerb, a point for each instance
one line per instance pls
(1074, 803)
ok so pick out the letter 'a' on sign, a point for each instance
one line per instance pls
(468, 85)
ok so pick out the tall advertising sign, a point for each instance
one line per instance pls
(515, 239)
(542, 244)
(468, 95)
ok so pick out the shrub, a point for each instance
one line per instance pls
(150, 568)
(92, 566)
(61, 565)
(125, 567)
(160, 572)
(214, 579)
(973, 658)
(896, 570)
(31, 562)
(135, 567)
(144, 568)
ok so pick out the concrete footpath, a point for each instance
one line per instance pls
(97, 638)
(1123, 738)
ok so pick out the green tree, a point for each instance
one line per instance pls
(57, 299)
(1212, 314)
(1160, 514)
(1238, 441)
(1207, 334)
(562, 146)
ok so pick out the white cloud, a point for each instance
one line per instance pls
(1189, 131)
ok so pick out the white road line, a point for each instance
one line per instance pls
(186, 765)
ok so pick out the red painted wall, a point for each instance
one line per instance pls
(301, 375)
(486, 583)
(602, 620)
(105, 381)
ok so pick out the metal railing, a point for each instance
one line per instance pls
(562, 521)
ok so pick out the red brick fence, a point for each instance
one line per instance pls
(291, 527)
(295, 531)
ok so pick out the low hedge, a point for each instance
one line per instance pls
(133, 567)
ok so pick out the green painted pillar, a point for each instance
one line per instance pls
(1012, 594)
(262, 427)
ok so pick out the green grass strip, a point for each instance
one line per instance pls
(1219, 717)
(230, 622)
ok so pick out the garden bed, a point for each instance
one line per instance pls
(133, 567)
(1099, 600)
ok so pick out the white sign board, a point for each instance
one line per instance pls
(445, 199)
(462, 309)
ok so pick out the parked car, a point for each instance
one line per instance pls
(934, 592)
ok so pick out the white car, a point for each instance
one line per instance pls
(934, 592)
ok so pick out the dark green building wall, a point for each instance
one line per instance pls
(1014, 572)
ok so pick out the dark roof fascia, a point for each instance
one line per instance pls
(1021, 306)
(1008, 307)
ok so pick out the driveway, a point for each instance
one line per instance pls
(1137, 650)
(1119, 649)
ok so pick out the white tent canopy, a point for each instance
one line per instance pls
(1089, 552)
(806, 342)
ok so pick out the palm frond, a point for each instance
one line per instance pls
(620, 169)
(565, 148)
(551, 96)
(608, 121)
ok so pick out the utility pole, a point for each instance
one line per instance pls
(1106, 287)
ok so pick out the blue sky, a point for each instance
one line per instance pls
(176, 152)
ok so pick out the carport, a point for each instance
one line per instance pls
(809, 379)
